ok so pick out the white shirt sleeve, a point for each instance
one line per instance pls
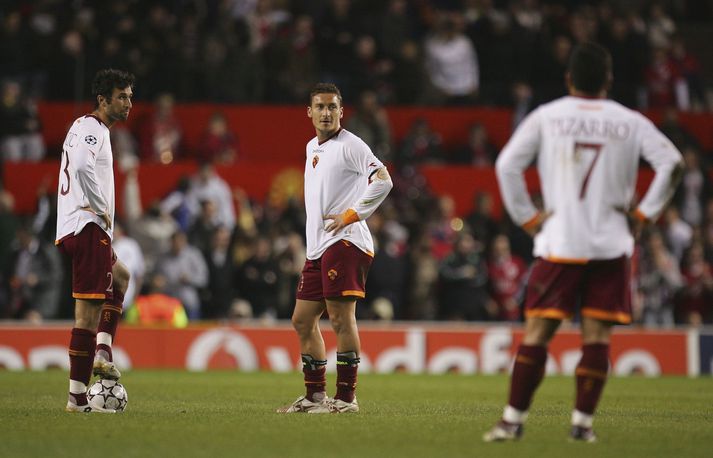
(367, 165)
(85, 159)
(515, 157)
(664, 157)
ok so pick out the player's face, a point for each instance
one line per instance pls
(118, 107)
(325, 112)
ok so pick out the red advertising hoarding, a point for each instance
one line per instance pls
(427, 348)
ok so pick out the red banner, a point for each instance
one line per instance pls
(429, 348)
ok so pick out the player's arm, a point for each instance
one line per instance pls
(379, 186)
(510, 166)
(85, 161)
(667, 162)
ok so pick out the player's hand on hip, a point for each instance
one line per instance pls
(340, 221)
(107, 220)
(533, 226)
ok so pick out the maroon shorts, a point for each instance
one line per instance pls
(601, 287)
(341, 271)
(92, 261)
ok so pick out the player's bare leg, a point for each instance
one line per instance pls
(528, 372)
(111, 313)
(305, 320)
(591, 375)
(342, 314)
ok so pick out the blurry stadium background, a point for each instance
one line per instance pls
(209, 172)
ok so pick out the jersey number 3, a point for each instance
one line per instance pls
(64, 191)
(596, 148)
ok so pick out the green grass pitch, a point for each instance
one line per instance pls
(215, 414)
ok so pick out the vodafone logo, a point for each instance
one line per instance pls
(232, 342)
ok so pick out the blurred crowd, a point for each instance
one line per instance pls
(215, 254)
(493, 52)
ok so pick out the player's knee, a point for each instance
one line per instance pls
(302, 325)
(341, 323)
(121, 278)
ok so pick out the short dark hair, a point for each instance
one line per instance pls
(325, 88)
(589, 67)
(105, 81)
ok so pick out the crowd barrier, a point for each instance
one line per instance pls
(432, 348)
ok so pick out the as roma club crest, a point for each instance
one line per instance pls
(315, 160)
(332, 274)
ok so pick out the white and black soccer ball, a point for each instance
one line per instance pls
(108, 394)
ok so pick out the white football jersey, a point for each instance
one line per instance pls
(588, 154)
(86, 178)
(337, 173)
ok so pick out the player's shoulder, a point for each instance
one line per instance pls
(90, 125)
(352, 141)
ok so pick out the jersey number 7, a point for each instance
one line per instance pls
(596, 148)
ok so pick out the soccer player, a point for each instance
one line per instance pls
(85, 218)
(587, 151)
(344, 184)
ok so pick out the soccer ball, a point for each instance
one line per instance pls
(108, 394)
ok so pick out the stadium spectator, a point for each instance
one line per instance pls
(423, 282)
(219, 145)
(160, 134)
(443, 228)
(128, 250)
(688, 66)
(695, 188)
(20, 136)
(463, 277)
(421, 145)
(658, 281)
(200, 235)
(258, 280)
(301, 66)
(34, 275)
(409, 77)
(156, 307)
(665, 86)
(673, 129)
(290, 256)
(9, 222)
(186, 272)
(13, 45)
(480, 221)
(451, 62)
(678, 232)
(153, 232)
(523, 102)
(478, 152)
(221, 291)
(629, 51)
(695, 302)
(389, 270)
(208, 185)
(550, 68)
(371, 123)
(506, 274)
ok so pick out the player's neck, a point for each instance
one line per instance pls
(108, 122)
(586, 95)
(324, 135)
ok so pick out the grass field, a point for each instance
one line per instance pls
(180, 414)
